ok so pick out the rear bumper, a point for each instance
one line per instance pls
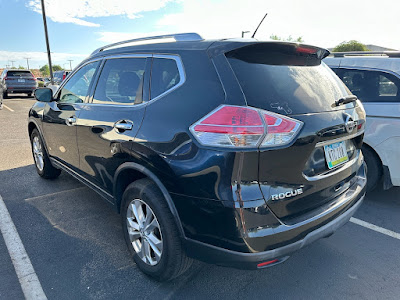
(308, 231)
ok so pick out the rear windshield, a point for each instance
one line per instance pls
(284, 81)
(19, 73)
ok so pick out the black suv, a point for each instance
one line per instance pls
(234, 152)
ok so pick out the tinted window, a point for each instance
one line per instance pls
(371, 86)
(164, 76)
(121, 81)
(77, 87)
(285, 82)
(19, 73)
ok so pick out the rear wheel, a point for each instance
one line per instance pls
(151, 233)
(374, 168)
(42, 162)
(29, 94)
(5, 95)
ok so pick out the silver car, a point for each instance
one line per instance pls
(17, 81)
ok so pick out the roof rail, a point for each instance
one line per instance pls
(180, 37)
(366, 53)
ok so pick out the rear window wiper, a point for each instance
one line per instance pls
(347, 99)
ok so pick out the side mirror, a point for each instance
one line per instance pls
(44, 95)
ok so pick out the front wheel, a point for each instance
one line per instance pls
(151, 233)
(42, 162)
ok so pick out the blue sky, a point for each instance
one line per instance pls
(77, 27)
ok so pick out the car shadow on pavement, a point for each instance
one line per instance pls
(75, 242)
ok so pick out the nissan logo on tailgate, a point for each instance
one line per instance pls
(349, 124)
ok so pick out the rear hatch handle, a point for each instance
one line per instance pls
(347, 99)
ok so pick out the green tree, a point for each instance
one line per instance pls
(288, 39)
(45, 70)
(352, 45)
(21, 67)
(57, 68)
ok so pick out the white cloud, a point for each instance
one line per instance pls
(73, 11)
(320, 23)
(37, 59)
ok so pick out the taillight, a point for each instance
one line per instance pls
(63, 76)
(281, 130)
(244, 127)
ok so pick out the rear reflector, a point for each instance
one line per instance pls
(263, 264)
(244, 127)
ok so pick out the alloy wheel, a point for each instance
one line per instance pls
(144, 232)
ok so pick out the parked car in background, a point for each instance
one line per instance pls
(236, 152)
(17, 81)
(58, 77)
(374, 77)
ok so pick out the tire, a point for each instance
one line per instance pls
(5, 95)
(29, 94)
(374, 168)
(147, 198)
(42, 162)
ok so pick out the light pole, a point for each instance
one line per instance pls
(47, 42)
(70, 66)
(243, 32)
(12, 63)
(27, 61)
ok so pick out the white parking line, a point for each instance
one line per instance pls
(27, 277)
(376, 228)
(7, 107)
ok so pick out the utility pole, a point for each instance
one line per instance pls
(47, 42)
(70, 66)
(12, 64)
(27, 61)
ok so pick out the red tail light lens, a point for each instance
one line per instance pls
(281, 130)
(63, 76)
(244, 127)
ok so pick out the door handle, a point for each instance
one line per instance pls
(123, 125)
(71, 121)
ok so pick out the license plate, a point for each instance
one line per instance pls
(21, 80)
(335, 154)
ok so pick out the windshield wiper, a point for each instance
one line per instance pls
(347, 99)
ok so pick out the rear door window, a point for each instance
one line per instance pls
(370, 85)
(164, 76)
(121, 82)
(276, 79)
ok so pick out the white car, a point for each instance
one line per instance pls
(375, 79)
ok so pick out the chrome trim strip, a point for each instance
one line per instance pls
(348, 137)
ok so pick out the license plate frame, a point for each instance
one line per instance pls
(21, 80)
(336, 154)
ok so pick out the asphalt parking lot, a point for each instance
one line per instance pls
(75, 244)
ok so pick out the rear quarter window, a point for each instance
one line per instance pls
(371, 85)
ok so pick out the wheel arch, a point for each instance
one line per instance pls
(129, 172)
